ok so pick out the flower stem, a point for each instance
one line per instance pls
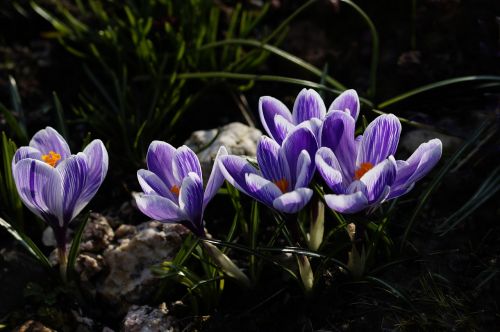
(63, 262)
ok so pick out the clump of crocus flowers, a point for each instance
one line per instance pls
(360, 172)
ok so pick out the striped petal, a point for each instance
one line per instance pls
(337, 133)
(159, 208)
(97, 162)
(347, 203)
(329, 168)
(191, 201)
(159, 159)
(26, 152)
(293, 201)
(269, 109)
(40, 188)
(347, 101)
(49, 139)
(216, 178)
(272, 163)
(380, 140)
(151, 184)
(300, 139)
(262, 189)
(308, 105)
(378, 178)
(234, 169)
(73, 171)
(186, 161)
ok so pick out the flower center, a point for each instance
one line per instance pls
(51, 158)
(282, 184)
(175, 189)
(363, 168)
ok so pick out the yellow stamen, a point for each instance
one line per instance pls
(282, 184)
(51, 158)
(175, 189)
(363, 168)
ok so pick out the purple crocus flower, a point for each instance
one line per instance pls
(173, 186)
(362, 172)
(55, 184)
(284, 171)
(308, 110)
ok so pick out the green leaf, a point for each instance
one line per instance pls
(437, 85)
(280, 53)
(75, 244)
(27, 243)
(425, 196)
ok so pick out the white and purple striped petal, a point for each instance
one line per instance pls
(308, 105)
(347, 203)
(160, 158)
(272, 163)
(191, 201)
(269, 109)
(47, 140)
(97, 164)
(26, 152)
(234, 170)
(380, 140)
(40, 188)
(185, 161)
(293, 201)
(262, 189)
(337, 133)
(151, 184)
(347, 101)
(301, 139)
(378, 179)
(159, 208)
(216, 178)
(329, 168)
(416, 167)
(73, 171)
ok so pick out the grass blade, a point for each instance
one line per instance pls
(436, 85)
(282, 54)
(27, 243)
(423, 199)
(75, 244)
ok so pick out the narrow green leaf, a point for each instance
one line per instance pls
(27, 243)
(437, 179)
(280, 53)
(437, 85)
(75, 244)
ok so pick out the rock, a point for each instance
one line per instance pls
(33, 326)
(125, 231)
(148, 319)
(130, 279)
(239, 139)
(88, 265)
(97, 234)
(412, 140)
(48, 238)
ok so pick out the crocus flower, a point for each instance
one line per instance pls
(173, 186)
(55, 184)
(309, 110)
(284, 171)
(362, 172)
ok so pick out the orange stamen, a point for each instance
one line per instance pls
(175, 189)
(363, 168)
(51, 158)
(282, 184)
